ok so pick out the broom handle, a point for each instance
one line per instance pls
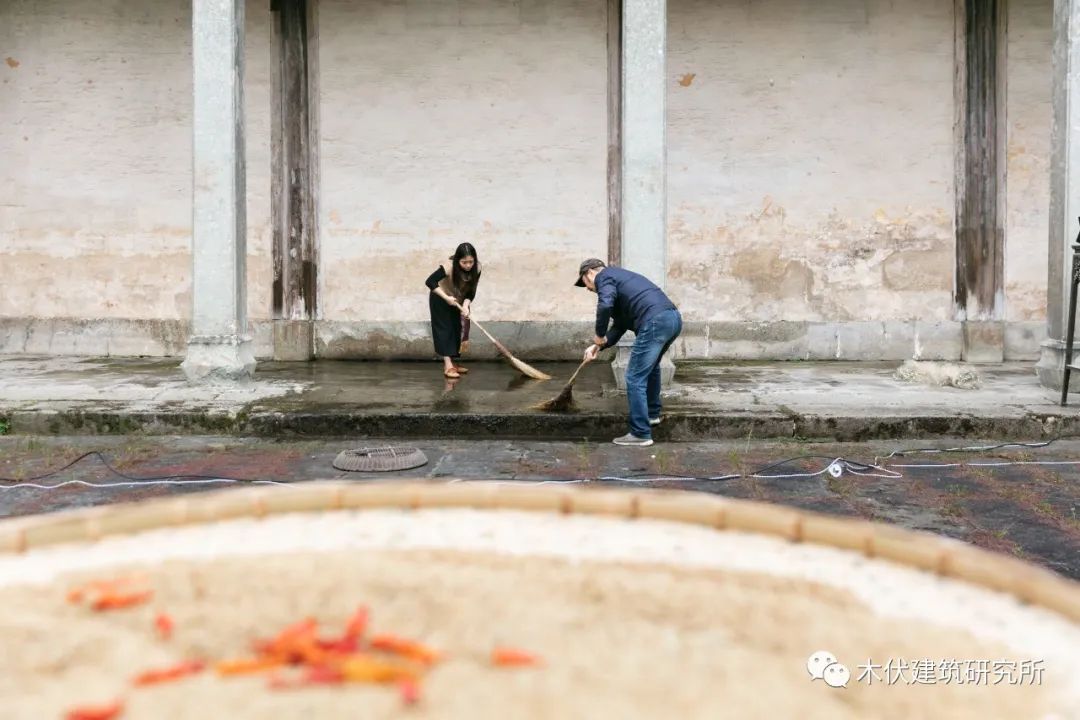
(574, 376)
(506, 352)
(497, 344)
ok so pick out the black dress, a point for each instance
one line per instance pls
(446, 320)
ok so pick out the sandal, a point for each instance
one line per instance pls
(452, 373)
(461, 370)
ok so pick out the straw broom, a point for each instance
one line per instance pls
(565, 399)
(523, 367)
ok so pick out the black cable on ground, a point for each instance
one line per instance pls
(96, 454)
(839, 463)
(982, 448)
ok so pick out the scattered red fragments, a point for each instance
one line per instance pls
(247, 666)
(110, 594)
(119, 601)
(512, 657)
(321, 675)
(410, 691)
(334, 660)
(406, 648)
(96, 712)
(169, 674)
(164, 626)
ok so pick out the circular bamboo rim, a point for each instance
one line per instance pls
(942, 556)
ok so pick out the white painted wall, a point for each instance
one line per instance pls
(811, 159)
(95, 219)
(1028, 169)
(447, 121)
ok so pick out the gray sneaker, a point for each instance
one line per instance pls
(654, 421)
(632, 440)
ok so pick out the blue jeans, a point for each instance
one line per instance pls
(643, 372)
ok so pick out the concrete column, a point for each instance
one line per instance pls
(644, 152)
(644, 147)
(219, 348)
(1064, 186)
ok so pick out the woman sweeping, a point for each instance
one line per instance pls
(453, 288)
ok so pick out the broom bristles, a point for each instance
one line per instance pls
(563, 401)
(527, 369)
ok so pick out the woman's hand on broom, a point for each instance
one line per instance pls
(450, 299)
(591, 352)
(465, 309)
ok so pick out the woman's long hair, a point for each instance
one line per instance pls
(465, 282)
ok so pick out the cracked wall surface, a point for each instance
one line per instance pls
(95, 219)
(810, 172)
(441, 123)
(1028, 153)
(811, 160)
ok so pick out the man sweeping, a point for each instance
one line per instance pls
(628, 301)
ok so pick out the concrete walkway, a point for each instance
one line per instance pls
(825, 400)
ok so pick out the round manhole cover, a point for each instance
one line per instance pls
(383, 459)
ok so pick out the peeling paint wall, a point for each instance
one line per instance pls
(811, 159)
(95, 219)
(810, 172)
(257, 116)
(1028, 169)
(443, 122)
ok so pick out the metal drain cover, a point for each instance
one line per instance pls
(383, 459)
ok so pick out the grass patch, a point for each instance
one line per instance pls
(842, 486)
(952, 508)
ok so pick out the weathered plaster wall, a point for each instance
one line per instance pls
(95, 221)
(444, 121)
(810, 173)
(257, 91)
(1028, 169)
(811, 159)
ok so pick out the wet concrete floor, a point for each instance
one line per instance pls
(844, 401)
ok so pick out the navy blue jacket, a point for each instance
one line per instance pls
(631, 300)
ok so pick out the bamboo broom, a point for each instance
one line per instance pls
(523, 367)
(565, 399)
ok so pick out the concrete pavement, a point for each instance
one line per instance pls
(817, 400)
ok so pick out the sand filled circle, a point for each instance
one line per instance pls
(496, 612)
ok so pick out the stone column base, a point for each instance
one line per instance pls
(1051, 367)
(622, 360)
(294, 340)
(219, 358)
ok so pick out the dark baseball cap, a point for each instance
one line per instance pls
(586, 266)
